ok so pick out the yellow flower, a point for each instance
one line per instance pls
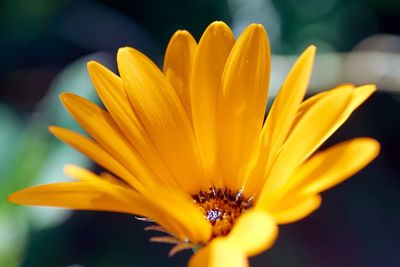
(188, 147)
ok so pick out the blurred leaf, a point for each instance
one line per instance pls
(30, 155)
(73, 79)
(11, 125)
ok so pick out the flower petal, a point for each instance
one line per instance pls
(112, 93)
(178, 66)
(73, 195)
(180, 216)
(287, 102)
(99, 124)
(333, 165)
(159, 109)
(254, 232)
(92, 150)
(160, 204)
(296, 208)
(280, 118)
(241, 103)
(309, 102)
(323, 118)
(217, 254)
(359, 95)
(212, 52)
(110, 178)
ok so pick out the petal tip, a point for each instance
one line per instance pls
(96, 69)
(370, 87)
(70, 169)
(52, 129)
(181, 36)
(375, 146)
(11, 198)
(258, 27)
(309, 53)
(129, 56)
(123, 51)
(93, 66)
(181, 32)
(312, 49)
(217, 26)
(69, 99)
(256, 31)
(65, 97)
(91, 63)
(217, 23)
(18, 197)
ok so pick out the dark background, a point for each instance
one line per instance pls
(44, 46)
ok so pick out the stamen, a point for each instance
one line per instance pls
(221, 207)
(213, 215)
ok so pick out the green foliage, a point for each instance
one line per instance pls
(30, 155)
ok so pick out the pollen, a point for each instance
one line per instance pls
(221, 207)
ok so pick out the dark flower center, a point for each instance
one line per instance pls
(221, 207)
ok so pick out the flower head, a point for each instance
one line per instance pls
(188, 147)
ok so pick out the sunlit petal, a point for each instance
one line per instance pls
(178, 62)
(218, 253)
(280, 118)
(242, 102)
(159, 109)
(254, 232)
(302, 142)
(212, 52)
(296, 208)
(333, 165)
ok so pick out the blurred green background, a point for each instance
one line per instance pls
(45, 45)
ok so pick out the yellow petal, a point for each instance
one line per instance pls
(287, 102)
(179, 215)
(160, 204)
(108, 177)
(72, 195)
(99, 124)
(333, 165)
(212, 52)
(242, 102)
(218, 253)
(122, 193)
(313, 128)
(159, 109)
(296, 209)
(280, 119)
(178, 66)
(110, 89)
(254, 232)
(359, 95)
(305, 105)
(94, 193)
(93, 151)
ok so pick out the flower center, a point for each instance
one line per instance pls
(221, 207)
